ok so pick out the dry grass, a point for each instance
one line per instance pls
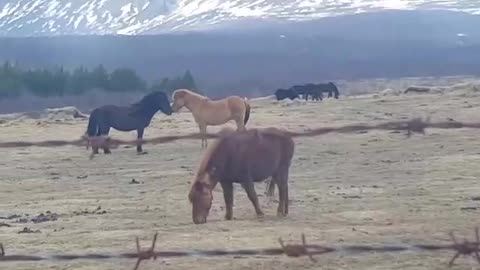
(376, 187)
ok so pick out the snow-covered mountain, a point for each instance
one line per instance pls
(130, 17)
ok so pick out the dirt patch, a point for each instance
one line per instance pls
(3, 224)
(28, 230)
(97, 211)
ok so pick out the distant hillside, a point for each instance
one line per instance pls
(257, 59)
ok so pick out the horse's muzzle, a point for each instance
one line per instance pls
(199, 221)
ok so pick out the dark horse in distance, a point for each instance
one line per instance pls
(243, 157)
(316, 90)
(127, 118)
(282, 94)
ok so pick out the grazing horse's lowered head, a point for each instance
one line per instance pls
(201, 198)
(334, 89)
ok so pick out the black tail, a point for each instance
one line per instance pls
(247, 113)
(92, 128)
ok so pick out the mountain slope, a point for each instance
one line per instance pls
(48, 17)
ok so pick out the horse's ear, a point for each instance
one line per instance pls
(177, 94)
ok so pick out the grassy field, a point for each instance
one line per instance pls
(376, 187)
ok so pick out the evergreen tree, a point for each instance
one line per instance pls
(10, 82)
(78, 81)
(124, 79)
(188, 81)
(100, 78)
(58, 81)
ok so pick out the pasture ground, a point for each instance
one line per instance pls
(377, 187)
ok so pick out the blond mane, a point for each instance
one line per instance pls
(189, 92)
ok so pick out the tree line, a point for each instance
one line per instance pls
(43, 82)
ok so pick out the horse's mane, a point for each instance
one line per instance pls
(190, 92)
(142, 102)
(144, 99)
(211, 150)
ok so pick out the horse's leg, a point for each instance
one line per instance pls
(281, 179)
(228, 196)
(203, 131)
(105, 132)
(252, 195)
(240, 123)
(270, 188)
(95, 148)
(140, 132)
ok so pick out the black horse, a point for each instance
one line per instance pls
(316, 90)
(282, 94)
(309, 89)
(127, 118)
(330, 88)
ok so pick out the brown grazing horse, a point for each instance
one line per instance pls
(207, 112)
(242, 157)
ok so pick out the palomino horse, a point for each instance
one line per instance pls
(207, 112)
(243, 157)
(127, 118)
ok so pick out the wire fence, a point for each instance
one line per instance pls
(416, 125)
(292, 250)
(302, 249)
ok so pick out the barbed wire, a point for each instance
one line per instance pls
(303, 249)
(292, 250)
(416, 125)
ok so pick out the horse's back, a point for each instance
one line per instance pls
(281, 139)
(236, 104)
(262, 151)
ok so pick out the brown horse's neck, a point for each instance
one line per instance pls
(209, 181)
(212, 183)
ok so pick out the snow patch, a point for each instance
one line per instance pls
(91, 18)
(52, 9)
(146, 5)
(128, 8)
(102, 3)
(77, 21)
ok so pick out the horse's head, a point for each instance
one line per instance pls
(151, 103)
(178, 98)
(161, 99)
(335, 89)
(201, 198)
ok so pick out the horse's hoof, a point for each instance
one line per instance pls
(142, 153)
